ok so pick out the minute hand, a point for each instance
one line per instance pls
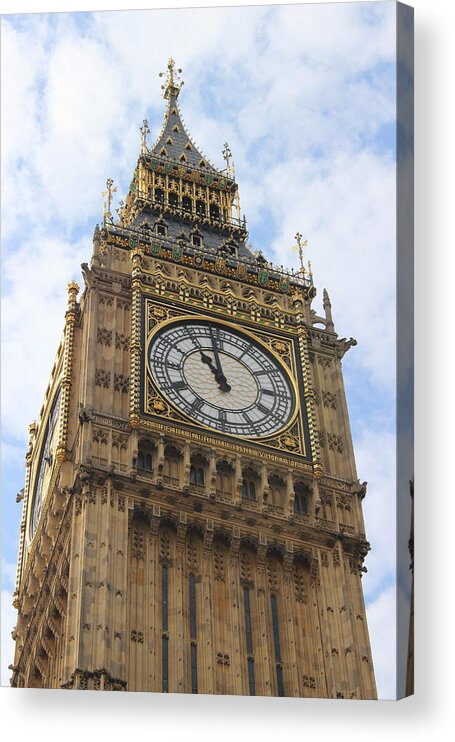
(224, 386)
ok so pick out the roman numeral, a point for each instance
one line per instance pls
(179, 385)
(222, 418)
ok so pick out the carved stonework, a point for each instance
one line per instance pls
(300, 586)
(104, 336)
(308, 681)
(218, 563)
(329, 400)
(191, 554)
(138, 543)
(102, 378)
(122, 342)
(335, 442)
(100, 435)
(121, 383)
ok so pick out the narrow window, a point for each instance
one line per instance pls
(302, 498)
(148, 462)
(249, 641)
(187, 203)
(200, 208)
(193, 642)
(193, 478)
(200, 475)
(164, 626)
(252, 491)
(244, 489)
(159, 195)
(276, 641)
(140, 460)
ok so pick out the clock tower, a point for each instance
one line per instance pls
(192, 517)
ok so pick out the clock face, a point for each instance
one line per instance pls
(44, 465)
(221, 378)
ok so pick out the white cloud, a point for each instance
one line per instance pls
(33, 310)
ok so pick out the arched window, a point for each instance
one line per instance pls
(250, 483)
(144, 457)
(172, 462)
(277, 487)
(224, 479)
(302, 498)
(249, 489)
(197, 470)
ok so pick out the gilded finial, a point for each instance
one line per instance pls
(144, 129)
(107, 216)
(299, 246)
(227, 154)
(173, 83)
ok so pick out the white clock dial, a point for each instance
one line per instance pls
(221, 378)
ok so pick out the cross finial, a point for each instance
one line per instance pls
(299, 246)
(173, 83)
(107, 216)
(144, 129)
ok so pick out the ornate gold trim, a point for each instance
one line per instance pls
(154, 403)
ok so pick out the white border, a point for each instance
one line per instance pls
(45, 714)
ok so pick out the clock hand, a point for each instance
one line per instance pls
(224, 386)
(215, 352)
(219, 377)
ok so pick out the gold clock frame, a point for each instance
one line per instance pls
(151, 410)
(235, 329)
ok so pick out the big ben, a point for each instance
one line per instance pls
(192, 517)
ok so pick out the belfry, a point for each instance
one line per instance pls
(192, 516)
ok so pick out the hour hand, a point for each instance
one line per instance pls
(219, 376)
(224, 386)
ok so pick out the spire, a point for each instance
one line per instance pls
(174, 143)
(328, 310)
(299, 247)
(173, 84)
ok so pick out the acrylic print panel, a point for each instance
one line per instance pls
(192, 500)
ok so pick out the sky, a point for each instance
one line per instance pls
(305, 97)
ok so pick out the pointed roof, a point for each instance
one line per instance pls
(174, 142)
